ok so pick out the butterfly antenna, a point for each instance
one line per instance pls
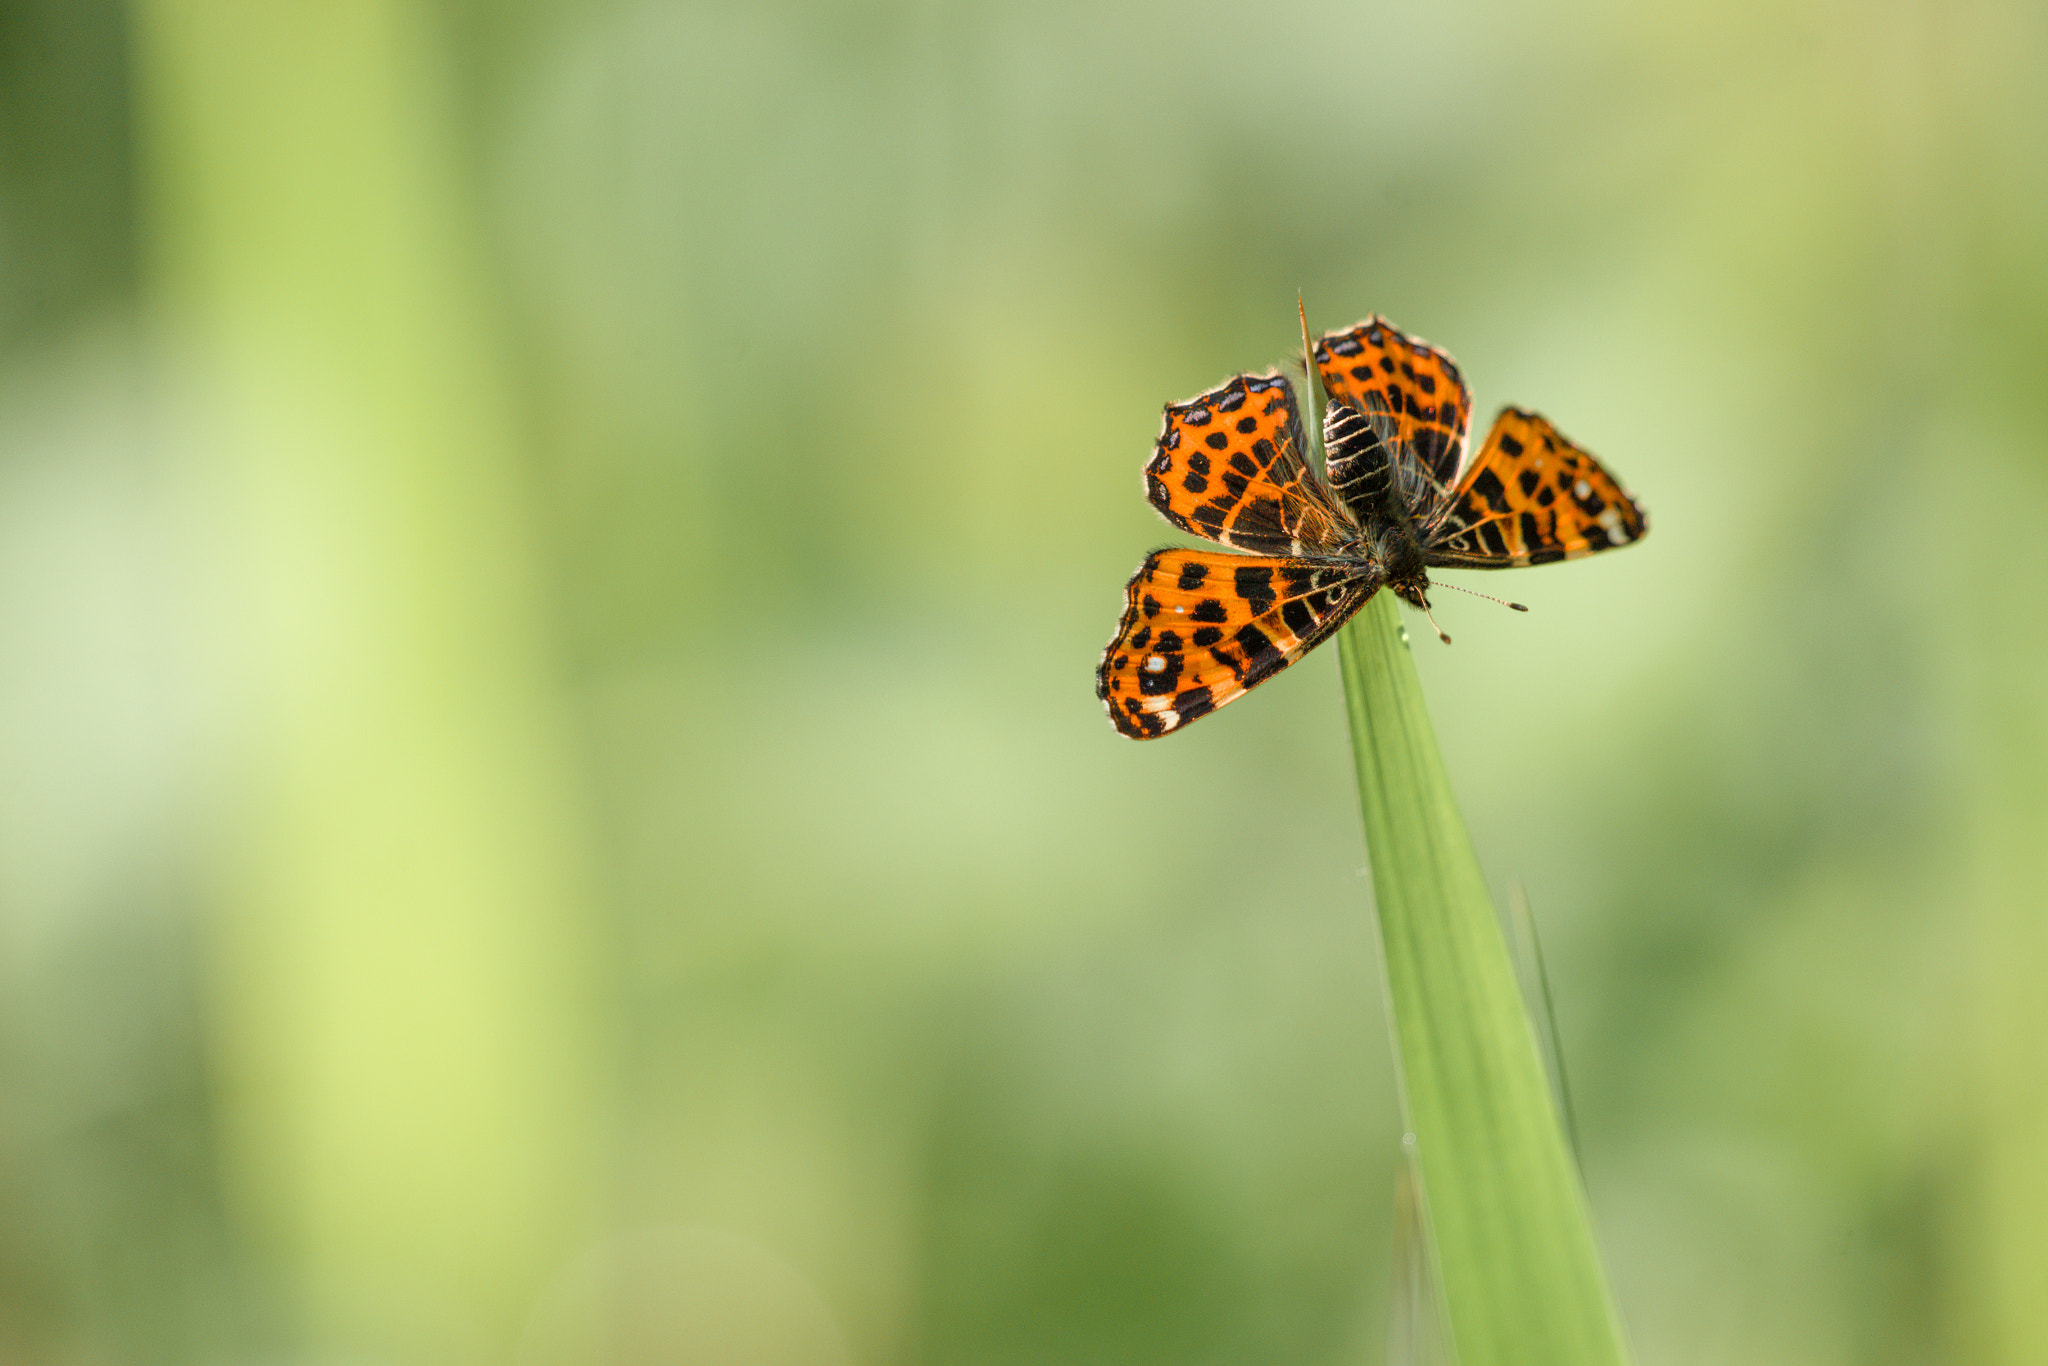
(1440, 634)
(1477, 594)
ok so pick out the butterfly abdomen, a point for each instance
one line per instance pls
(1356, 462)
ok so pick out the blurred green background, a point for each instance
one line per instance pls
(551, 557)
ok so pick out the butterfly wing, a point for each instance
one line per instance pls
(1531, 497)
(1231, 465)
(1201, 629)
(1414, 402)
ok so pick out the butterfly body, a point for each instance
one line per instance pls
(1399, 497)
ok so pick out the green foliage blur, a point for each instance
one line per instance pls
(551, 558)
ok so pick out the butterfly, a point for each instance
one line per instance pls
(1201, 628)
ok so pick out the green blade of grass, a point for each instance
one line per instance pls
(1509, 1236)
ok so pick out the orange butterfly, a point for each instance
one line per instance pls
(1201, 628)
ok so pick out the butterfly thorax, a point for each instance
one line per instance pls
(1392, 544)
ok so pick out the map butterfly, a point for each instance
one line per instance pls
(1201, 628)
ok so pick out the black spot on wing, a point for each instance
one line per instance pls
(1261, 517)
(1254, 583)
(1433, 447)
(1193, 703)
(1490, 491)
(1157, 682)
(1261, 657)
(1133, 719)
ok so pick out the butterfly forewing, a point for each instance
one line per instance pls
(1530, 497)
(1201, 628)
(1412, 397)
(1231, 465)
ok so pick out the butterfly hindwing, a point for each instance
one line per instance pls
(1231, 465)
(1201, 628)
(1412, 398)
(1530, 497)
